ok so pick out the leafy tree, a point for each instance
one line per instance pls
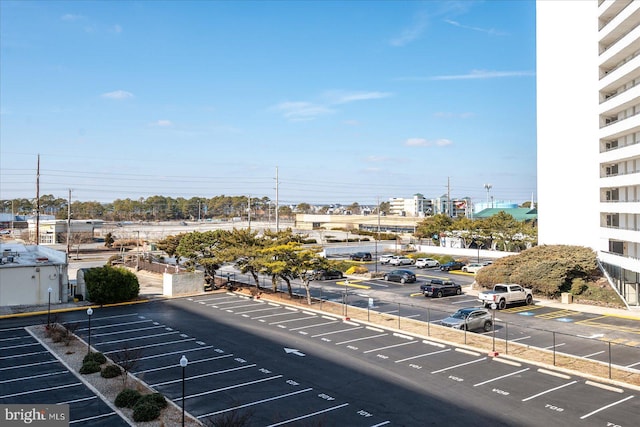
(433, 226)
(204, 249)
(385, 207)
(304, 208)
(107, 285)
(505, 228)
(109, 240)
(243, 246)
(170, 245)
(354, 208)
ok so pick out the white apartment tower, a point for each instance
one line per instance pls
(588, 114)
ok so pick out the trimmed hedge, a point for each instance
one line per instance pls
(111, 371)
(108, 285)
(127, 398)
(95, 357)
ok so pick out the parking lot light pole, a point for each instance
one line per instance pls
(493, 326)
(183, 363)
(49, 308)
(89, 313)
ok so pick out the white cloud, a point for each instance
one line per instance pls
(118, 94)
(351, 122)
(376, 159)
(473, 75)
(483, 74)
(344, 97)
(301, 111)
(489, 31)
(422, 142)
(162, 123)
(412, 32)
(117, 29)
(71, 17)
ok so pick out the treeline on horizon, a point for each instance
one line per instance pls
(161, 208)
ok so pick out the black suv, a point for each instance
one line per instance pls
(452, 265)
(361, 256)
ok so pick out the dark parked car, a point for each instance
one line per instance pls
(361, 256)
(402, 276)
(438, 288)
(328, 274)
(452, 265)
(469, 319)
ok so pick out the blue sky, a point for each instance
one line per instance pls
(351, 101)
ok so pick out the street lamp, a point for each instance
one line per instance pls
(488, 187)
(89, 313)
(183, 363)
(493, 325)
(49, 308)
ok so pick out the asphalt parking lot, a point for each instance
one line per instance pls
(288, 366)
(32, 375)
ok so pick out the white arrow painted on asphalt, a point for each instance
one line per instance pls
(293, 351)
(592, 336)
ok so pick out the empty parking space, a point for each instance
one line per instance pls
(30, 374)
(538, 390)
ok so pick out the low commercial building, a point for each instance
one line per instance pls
(33, 275)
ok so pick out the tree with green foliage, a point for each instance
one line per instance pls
(433, 226)
(242, 247)
(108, 285)
(204, 249)
(548, 270)
(170, 245)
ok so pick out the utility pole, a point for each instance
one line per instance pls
(69, 227)
(38, 202)
(277, 216)
(378, 234)
(449, 198)
(249, 210)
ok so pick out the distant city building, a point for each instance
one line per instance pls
(416, 206)
(588, 132)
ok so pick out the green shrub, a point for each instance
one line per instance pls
(90, 367)
(578, 286)
(95, 357)
(127, 398)
(548, 270)
(157, 399)
(146, 411)
(108, 285)
(111, 371)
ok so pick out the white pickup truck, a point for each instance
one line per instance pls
(503, 294)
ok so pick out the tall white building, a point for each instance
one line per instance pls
(588, 114)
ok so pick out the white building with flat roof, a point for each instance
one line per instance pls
(588, 115)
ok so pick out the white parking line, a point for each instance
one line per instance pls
(548, 391)
(593, 354)
(208, 374)
(632, 365)
(191, 362)
(258, 309)
(554, 346)
(501, 377)
(606, 407)
(40, 390)
(289, 313)
(293, 320)
(175, 352)
(457, 366)
(115, 324)
(31, 344)
(138, 338)
(204, 393)
(361, 339)
(93, 418)
(313, 414)
(149, 346)
(423, 355)
(313, 326)
(336, 332)
(253, 304)
(520, 339)
(389, 346)
(257, 402)
(127, 331)
(32, 377)
(23, 355)
(14, 338)
(28, 364)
